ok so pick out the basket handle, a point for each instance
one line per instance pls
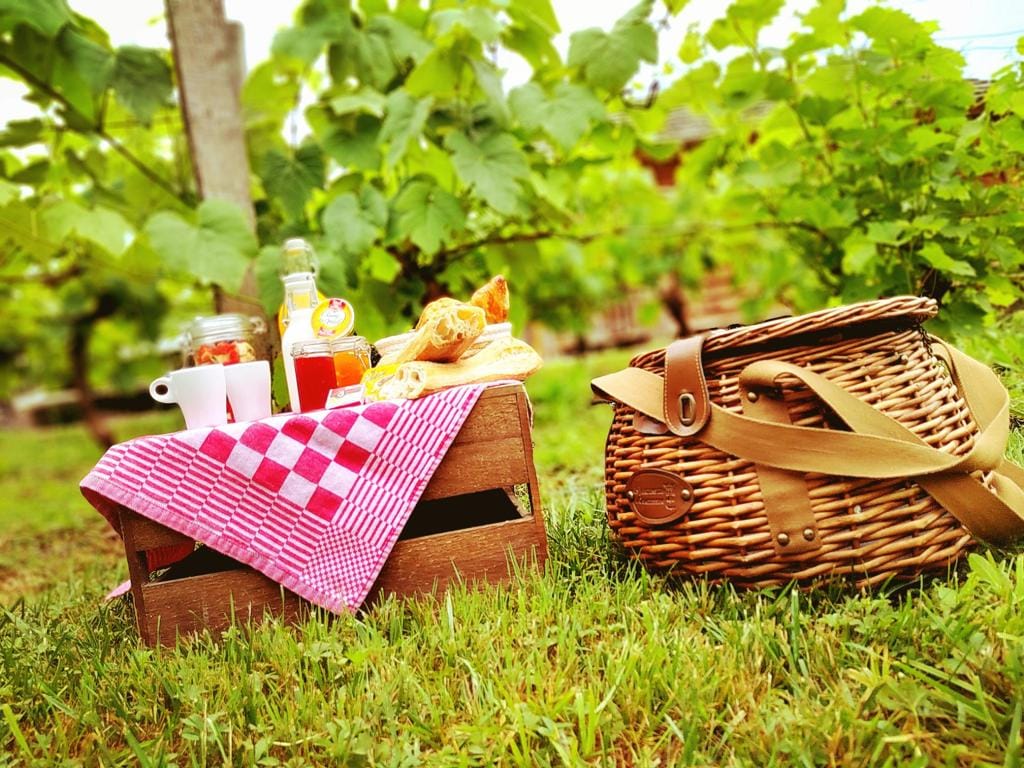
(878, 447)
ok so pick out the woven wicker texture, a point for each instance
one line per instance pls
(870, 530)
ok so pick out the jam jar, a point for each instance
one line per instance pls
(314, 373)
(227, 339)
(351, 359)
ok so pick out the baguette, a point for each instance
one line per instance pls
(499, 360)
(436, 307)
(449, 331)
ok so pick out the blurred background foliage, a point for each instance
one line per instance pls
(855, 162)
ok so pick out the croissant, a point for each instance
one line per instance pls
(492, 298)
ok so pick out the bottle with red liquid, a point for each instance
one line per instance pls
(314, 373)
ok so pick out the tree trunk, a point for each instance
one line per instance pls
(674, 301)
(78, 352)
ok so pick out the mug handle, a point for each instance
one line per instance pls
(164, 383)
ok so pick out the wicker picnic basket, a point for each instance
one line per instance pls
(843, 443)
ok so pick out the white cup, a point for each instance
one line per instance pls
(248, 386)
(200, 392)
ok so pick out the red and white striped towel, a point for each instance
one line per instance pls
(314, 501)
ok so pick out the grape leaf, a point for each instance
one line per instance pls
(267, 269)
(438, 74)
(537, 13)
(742, 23)
(141, 80)
(890, 232)
(33, 173)
(488, 77)
(607, 60)
(892, 28)
(358, 148)
(942, 261)
(8, 192)
(291, 179)
(19, 228)
(105, 227)
(405, 119)
(364, 100)
(351, 224)
(269, 93)
(858, 253)
(479, 22)
(83, 58)
(20, 133)
(533, 43)
(493, 167)
(217, 247)
(406, 43)
(319, 22)
(824, 19)
(362, 56)
(565, 116)
(382, 266)
(46, 16)
(427, 214)
(80, 71)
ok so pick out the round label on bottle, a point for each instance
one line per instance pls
(282, 314)
(333, 318)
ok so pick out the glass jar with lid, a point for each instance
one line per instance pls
(314, 373)
(351, 359)
(227, 339)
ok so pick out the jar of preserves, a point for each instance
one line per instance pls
(314, 373)
(351, 359)
(227, 339)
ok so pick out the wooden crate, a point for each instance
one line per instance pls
(479, 518)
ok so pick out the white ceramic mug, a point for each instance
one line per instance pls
(200, 392)
(248, 386)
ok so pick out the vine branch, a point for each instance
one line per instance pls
(99, 130)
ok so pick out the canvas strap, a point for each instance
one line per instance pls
(877, 446)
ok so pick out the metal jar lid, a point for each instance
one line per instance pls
(311, 348)
(229, 326)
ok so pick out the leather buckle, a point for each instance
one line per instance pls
(687, 409)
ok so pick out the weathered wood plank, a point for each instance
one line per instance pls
(213, 601)
(421, 565)
(149, 534)
(495, 416)
(137, 571)
(479, 466)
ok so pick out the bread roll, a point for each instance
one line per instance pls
(492, 298)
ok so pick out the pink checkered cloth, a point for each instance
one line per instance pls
(314, 501)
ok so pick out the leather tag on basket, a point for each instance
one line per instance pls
(658, 497)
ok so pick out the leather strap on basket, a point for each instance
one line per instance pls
(686, 406)
(878, 447)
(786, 500)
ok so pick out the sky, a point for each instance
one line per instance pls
(985, 31)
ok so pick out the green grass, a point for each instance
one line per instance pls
(593, 661)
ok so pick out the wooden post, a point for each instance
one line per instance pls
(209, 61)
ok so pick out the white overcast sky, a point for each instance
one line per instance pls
(984, 30)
